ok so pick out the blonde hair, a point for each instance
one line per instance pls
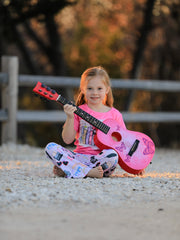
(86, 76)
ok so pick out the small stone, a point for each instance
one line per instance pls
(18, 163)
(160, 209)
(8, 190)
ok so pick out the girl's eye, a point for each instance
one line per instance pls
(99, 88)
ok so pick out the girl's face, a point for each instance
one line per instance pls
(95, 91)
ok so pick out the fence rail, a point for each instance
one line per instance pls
(148, 85)
(59, 116)
(10, 82)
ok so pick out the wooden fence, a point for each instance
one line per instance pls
(10, 115)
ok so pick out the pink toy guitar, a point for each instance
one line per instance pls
(135, 149)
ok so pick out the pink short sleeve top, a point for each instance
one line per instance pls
(85, 132)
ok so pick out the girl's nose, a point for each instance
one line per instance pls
(95, 91)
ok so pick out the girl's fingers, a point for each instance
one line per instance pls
(69, 109)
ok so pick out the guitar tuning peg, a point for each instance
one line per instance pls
(43, 85)
(53, 91)
(35, 94)
(48, 88)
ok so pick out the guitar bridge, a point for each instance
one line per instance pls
(134, 147)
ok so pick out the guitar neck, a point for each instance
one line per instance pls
(86, 116)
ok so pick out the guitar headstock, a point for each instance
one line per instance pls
(45, 91)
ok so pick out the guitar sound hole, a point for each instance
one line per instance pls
(116, 136)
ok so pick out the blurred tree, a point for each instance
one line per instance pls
(97, 33)
(130, 38)
(22, 22)
(29, 29)
(146, 27)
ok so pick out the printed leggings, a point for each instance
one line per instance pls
(77, 165)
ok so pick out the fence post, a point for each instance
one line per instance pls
(10, 65)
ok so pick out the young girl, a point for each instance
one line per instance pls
(87, 160)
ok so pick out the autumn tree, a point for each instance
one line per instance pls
(31, 25)
(130, 38)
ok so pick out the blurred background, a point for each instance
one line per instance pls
(131, 39)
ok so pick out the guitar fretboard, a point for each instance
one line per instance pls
(86, 116)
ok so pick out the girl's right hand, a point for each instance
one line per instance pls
(69, 110)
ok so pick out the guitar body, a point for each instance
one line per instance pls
(135, 149)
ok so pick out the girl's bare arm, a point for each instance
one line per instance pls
(69, 133)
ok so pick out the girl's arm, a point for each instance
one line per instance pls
(69, 133)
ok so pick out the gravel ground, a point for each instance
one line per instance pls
(27, 179)
(28, 184)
